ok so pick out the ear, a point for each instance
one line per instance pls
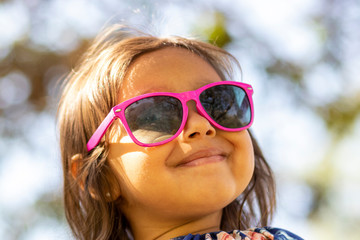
(111, 187)
(75, 165)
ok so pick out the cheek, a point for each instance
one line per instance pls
(130, 162)
(243, 160)
(135, 166)
(126, 158)
(130, 166)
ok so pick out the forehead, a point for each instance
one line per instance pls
(171, 69)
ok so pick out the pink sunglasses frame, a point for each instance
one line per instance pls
(119, 112)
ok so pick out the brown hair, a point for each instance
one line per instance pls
(90, 91)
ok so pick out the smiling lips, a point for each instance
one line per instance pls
(203, 157)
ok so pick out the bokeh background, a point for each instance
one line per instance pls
(301, 56)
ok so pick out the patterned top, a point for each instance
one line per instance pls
(265, 233)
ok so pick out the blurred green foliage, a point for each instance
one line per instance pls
(217, 33)
(341, 115)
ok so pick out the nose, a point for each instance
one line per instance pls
(197, 126)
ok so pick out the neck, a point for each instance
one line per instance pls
(147, 229)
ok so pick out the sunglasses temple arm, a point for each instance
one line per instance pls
(100, 131)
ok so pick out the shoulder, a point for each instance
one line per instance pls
(265, 233)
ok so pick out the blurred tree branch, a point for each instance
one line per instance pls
(35, 63)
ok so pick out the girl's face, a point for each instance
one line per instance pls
(155, 181)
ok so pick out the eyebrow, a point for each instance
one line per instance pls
(154, 90)
(200, 83)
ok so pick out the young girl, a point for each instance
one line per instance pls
(155, 144)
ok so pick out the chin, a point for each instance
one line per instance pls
(211, 202)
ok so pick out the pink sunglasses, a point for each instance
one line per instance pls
(153, 119)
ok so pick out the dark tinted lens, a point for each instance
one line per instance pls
(228, 105)
(154, 119)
